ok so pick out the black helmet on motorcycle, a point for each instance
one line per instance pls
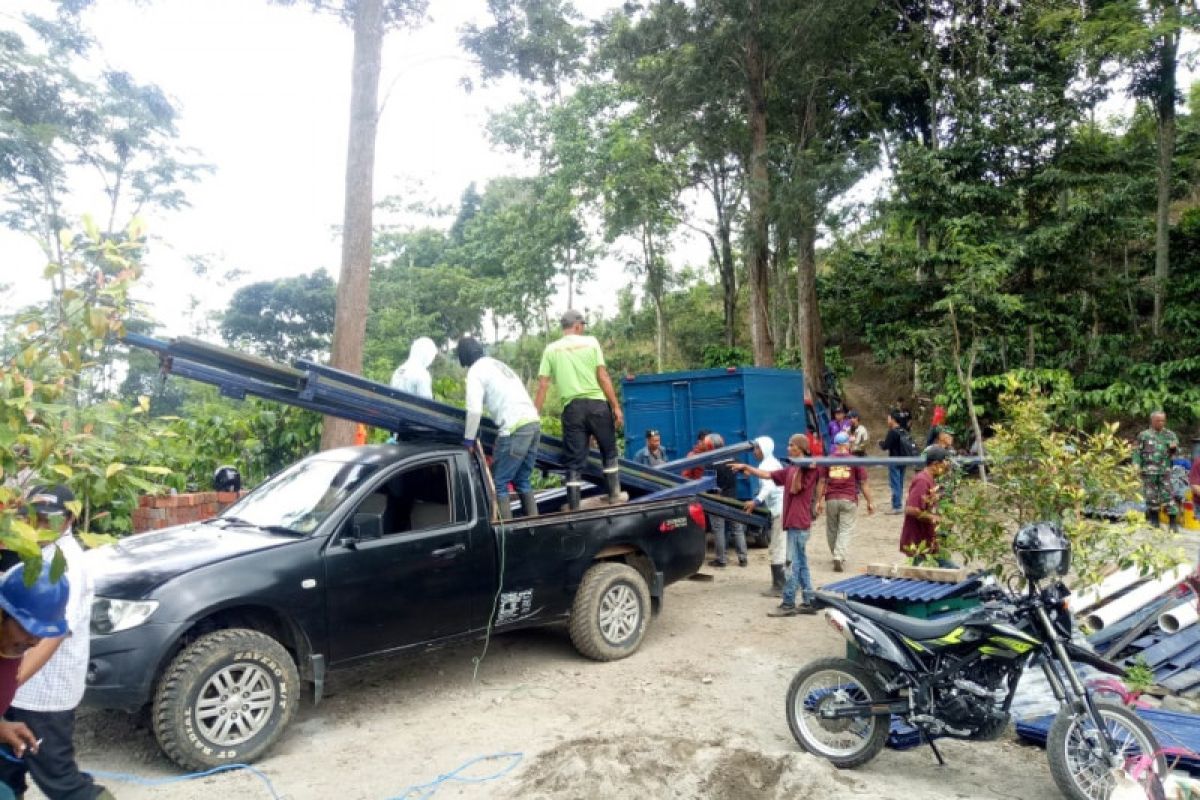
(227, 479)
(1042, 550)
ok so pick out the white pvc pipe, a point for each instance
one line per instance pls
(1128, 603)
(1179, 617)
(1098, 593)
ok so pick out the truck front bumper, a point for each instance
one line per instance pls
(122, 666)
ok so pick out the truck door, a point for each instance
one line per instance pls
(397, 569)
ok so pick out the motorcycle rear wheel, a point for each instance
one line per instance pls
(1076, 761)
(848, 742)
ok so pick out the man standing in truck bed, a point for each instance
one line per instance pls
(576, 365)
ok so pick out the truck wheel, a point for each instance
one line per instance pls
(225, 699)
(610, 612)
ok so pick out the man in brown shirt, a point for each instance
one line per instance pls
(918, 535)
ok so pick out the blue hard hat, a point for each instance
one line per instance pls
(39, 609)
(842, 438)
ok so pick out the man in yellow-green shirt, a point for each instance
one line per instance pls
(576, 365)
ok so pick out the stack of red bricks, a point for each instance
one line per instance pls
(164, 510)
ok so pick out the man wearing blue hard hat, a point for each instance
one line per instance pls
(28, 614)
(52, 674)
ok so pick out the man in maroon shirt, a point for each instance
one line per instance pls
(837, 496)
(919, 533)
(798, 485)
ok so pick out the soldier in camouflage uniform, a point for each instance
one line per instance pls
(1152, 453)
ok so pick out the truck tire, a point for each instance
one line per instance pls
(199, 720)
(610, 612)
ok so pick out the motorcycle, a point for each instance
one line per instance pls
(956, 676)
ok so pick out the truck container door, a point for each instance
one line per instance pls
(395, 572)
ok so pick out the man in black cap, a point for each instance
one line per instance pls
(576, 365)
(918, 535)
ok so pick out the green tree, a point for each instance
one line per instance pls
(284, 319)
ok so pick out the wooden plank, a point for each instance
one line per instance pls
(935, 574)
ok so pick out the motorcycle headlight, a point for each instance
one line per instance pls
(110, 616)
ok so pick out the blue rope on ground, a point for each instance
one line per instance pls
(124, 777)
(426, 790)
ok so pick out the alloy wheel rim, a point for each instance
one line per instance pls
(620, 614)
(235, 704)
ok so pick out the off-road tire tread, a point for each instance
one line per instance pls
(179, 676)
(877, 695)
(585, 631)
(1056, 751)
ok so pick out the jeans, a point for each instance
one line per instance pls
(799, 576)
(896, 482)
(583, 418)
(513, 459)
(839, 525)
(737, 530)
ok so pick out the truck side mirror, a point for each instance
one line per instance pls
(365, 527)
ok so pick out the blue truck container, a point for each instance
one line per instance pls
(739, 403)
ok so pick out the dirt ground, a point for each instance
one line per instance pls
(697, 712)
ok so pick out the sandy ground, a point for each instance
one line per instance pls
(698, 712)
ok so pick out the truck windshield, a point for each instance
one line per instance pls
(299, 498)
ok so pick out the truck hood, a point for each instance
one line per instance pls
(136, 565)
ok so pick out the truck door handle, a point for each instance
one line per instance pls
(449, 552)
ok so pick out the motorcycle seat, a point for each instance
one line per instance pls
(912, 627)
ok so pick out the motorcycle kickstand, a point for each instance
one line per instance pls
(929, 741)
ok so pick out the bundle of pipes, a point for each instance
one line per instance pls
(1132, 600)
(326, 390)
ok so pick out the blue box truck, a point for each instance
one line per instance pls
(739, 403)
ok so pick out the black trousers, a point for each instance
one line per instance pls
(53, 768)
(582, 419)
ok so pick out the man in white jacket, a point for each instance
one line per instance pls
(770, 496)
(491, 385)
(413, 375)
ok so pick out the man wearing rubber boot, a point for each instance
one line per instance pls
(53, 673)
(492, 385)
(770, 496)
(28, 614)
(1152, 453)
(576, 365)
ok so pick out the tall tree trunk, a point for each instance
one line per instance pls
(728, 277)
(757, 268)
(812, 340)
(350, 318)
(1165, 110)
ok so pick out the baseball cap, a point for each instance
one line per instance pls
(853, 415)
(570, 317)
(51, 499)
(936, 454)
(841, 438)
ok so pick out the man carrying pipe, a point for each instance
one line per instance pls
(576, 365)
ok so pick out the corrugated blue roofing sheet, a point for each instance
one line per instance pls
(875, 587)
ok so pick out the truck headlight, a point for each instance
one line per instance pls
(110, 616)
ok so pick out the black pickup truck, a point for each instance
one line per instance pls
(352, 554)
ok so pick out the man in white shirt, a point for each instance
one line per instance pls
(492, 385)
(770, 496)
(53, 673)
(413, 375)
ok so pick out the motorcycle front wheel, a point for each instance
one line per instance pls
(826, 684)
(1076, 756)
